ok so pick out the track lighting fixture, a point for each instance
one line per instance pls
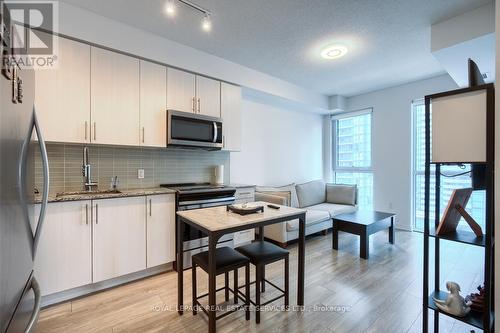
(206, 22)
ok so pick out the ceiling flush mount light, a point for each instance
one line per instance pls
(206, 22)
(170, 7)
(334, 51)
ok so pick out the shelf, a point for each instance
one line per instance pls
(473, 318)
(466, 237)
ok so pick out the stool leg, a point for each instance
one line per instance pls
(287, 283)
(258, 278)
(235, 286)
(226, 286)
(263, 287)
(193, 285)
(247, 292)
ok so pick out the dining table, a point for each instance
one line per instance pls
(216, 222)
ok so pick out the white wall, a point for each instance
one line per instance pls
(392, 142)
(279, 146)
(461, 28)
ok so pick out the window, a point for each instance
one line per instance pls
(476, 204)
(352, 155)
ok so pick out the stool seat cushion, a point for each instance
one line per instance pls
(262, 252)
(226, 259)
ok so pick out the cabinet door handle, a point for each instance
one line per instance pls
(87, 214)
(96, 214)
(193, 104)
(199, 105)
(150, 207)
(86, 129)
(95, 131)
(143, 134)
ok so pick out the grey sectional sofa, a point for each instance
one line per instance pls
(321, 200)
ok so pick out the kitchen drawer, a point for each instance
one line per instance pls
(245, 193)
(243, 237)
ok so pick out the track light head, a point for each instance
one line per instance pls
(206, 23)
(170, 7)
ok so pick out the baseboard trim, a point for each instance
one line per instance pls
(78, 292)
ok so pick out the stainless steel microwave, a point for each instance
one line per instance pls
(191, 130)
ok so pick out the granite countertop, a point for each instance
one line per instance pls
(76, 196)
(219, 218)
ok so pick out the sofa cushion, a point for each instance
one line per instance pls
(333, 209)
(312, 217)
(285, 188)
(311, 193)
(341, 194)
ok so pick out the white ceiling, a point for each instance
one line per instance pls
(389, 40)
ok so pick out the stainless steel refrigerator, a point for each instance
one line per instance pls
(20, 137)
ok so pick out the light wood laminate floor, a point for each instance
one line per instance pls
(343, 293)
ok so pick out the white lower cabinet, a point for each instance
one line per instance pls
(119, 237)
(85, 242)
(64, 256)
(160, 229)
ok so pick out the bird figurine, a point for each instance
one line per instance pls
(454, 303)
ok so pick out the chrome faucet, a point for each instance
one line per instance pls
(86, 171)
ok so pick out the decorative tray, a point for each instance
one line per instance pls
(244, 209)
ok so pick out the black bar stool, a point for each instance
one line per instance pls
(226, 260)
(262, 253)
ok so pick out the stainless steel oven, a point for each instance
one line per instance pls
(191, 130)
(196, 196)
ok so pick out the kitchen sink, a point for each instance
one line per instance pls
(86, 193)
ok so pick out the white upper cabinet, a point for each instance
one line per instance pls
(160, 229)
(64, 256)
(114, 98)
(104, 97)
(62, 95)
(231, 116)
(181, 93)
(207, 96)
(119, 237)
(153, 86)
(192, 93)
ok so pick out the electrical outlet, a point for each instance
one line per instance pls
(140, 173)
(390, 205)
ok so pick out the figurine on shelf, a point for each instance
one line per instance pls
(454, 303)
(475, 300)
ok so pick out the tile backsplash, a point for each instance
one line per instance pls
(160, 166)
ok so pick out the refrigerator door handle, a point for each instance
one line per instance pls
(38, 305)
(45, 194)
(21, 184)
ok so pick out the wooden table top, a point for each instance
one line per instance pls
(365, 217)
(218, 218)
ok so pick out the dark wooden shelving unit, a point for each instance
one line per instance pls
(461, 236)
(473, 318)
(483, 321)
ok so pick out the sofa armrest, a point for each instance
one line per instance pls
(272, 198)
(276, 231)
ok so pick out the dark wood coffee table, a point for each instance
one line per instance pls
(364, 224)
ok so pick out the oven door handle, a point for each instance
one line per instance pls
(201, 202)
